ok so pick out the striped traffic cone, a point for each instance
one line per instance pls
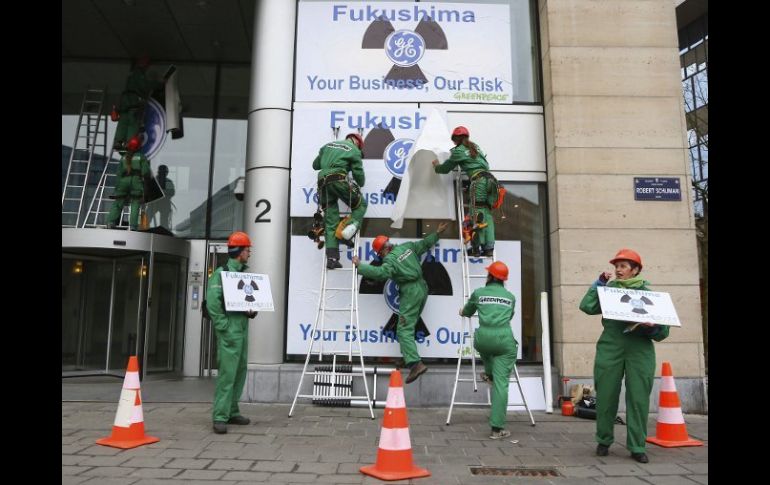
(671, 431)
(128, 429)
(394, 455)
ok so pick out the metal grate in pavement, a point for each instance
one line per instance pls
(515, 471)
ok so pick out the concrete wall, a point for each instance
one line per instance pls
(614, 110)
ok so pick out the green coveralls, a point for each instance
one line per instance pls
(402, 265)
(338, 158)
(482, 191)
(129, 185)
(494, 342)
(232, 330)
(631, 354)
(132, 102)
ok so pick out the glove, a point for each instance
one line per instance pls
(603, 278)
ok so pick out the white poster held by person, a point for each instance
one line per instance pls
(245, 292)
(424, 194)
(638, 306)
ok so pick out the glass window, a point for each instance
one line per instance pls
(229, 150)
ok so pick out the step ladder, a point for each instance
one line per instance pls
(466, 350)
(90, 141)
(333, 382)
(100, 204)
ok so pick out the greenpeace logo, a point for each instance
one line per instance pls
(416, 14)
(406, 254)
(339, 146)
(495, 300)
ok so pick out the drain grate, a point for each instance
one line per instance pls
(514, 471)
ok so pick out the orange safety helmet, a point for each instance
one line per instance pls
(358, 140)
(499, 270)
(460, 130)
(379, 242)
(133, 144)
(238, 239)
(628, 254)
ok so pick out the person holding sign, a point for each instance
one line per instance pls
(494, 340)
(334, 161)
(232, 331)
(401, 263)
(620, 352)
(483, 189)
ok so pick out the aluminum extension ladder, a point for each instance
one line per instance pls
(333, 383)
(90, 140)
(468, 324)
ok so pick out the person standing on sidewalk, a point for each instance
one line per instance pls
(626, 349)
(232, 331)
(494, 340)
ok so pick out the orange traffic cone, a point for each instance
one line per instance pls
(128, 429)
(671, 431)
(394, 455)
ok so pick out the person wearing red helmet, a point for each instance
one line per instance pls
(132, 170)
(483, 189)
(335, 159)
(401, 263)
(494, 340)
(623, 349)
(232, 331)
(132, 102)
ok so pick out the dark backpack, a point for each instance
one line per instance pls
(205, 310)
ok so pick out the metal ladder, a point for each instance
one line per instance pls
(467, 325)
(336, 379)
(90, 136)
(97, 216)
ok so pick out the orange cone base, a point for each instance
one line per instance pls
(415, 472)
(127, 443)
(674, 444)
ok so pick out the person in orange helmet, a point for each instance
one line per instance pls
(494, 340)
(623, 350)
(132, 170)
(232, 330)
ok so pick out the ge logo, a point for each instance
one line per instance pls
(404, 47)
(391, 295)
(154, 129)
(396, 155)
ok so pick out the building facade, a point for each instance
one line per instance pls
(570, 101)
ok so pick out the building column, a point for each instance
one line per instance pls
(613, 111)
(266, 197)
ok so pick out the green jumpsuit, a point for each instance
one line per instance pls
(402, 265)
(494, 341)
(130, 184)
(232, 331)
(132, 102)
(631, 354)
(482, 190)
(335, 160)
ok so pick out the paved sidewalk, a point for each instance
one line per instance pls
(329, 445)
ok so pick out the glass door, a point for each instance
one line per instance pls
(217, 256)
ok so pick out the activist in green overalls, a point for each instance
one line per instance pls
(335, 160)
(232, 331)
(623, 348)
(132, 170)
(494, 340)
(483, 188)
(132, 102)
(401, 263)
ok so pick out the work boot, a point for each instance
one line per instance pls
(474, 252)
(489, 253)
(640, 457)
(239, 420)
(602, 450)
(333, 263)
(220, 427)
(417, 370)
(503, 433)
(485, 378)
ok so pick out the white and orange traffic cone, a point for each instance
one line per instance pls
(671, 431)
(128, 429)
(394, 455)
